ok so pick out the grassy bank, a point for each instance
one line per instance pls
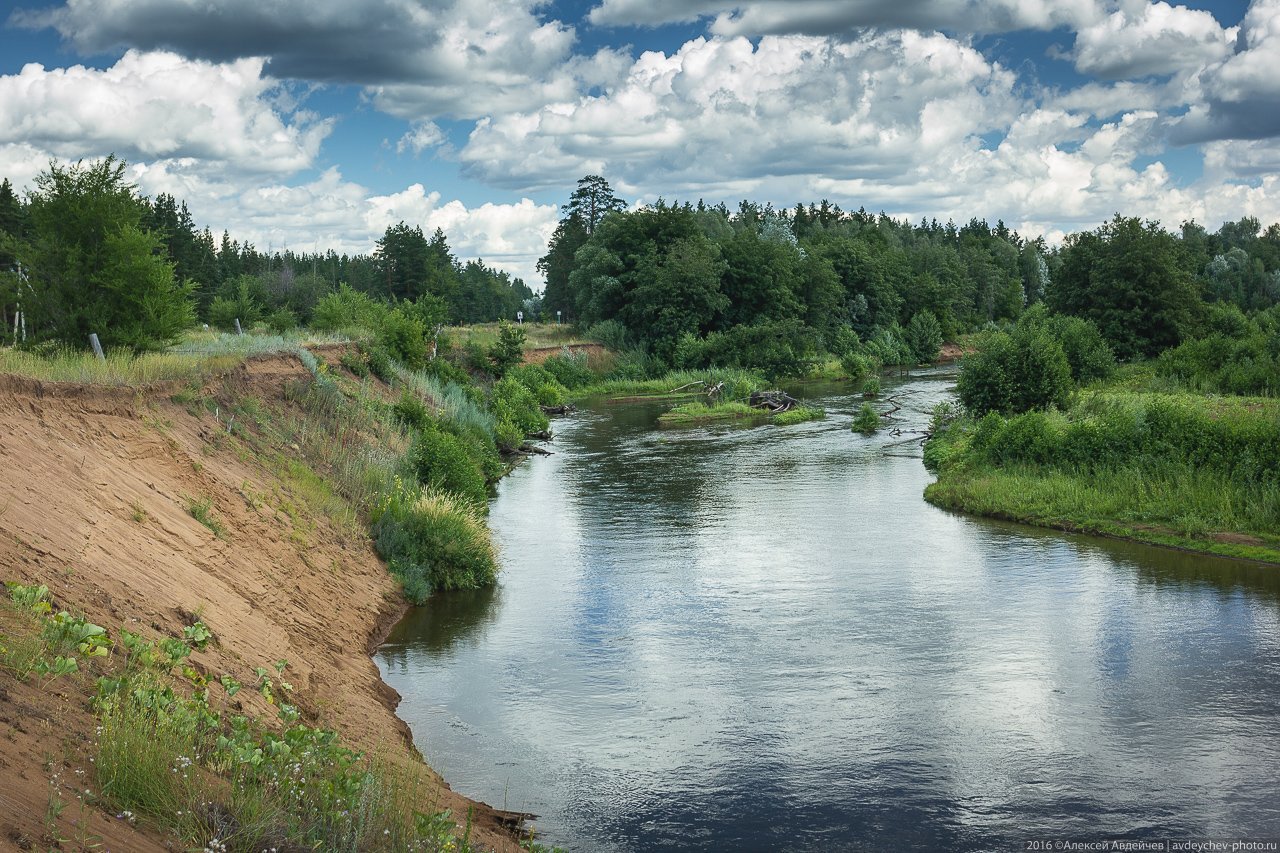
(176, 754)
(1175, 469)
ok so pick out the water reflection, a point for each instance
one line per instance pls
(764, 639)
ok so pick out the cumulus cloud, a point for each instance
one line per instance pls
(463, 54)
(1153, 39)
(791, 105)
(821, 17)
(1240, 92)
(159, 106)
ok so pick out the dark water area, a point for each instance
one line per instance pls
(765, 639)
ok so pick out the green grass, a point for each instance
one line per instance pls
(697, 414)
(799, 415)
(537, 335)
(866, 421)
(1129, 459)
(680, 383)
(199, 355)
(175, 754)
(201, 509)
(1174, 505)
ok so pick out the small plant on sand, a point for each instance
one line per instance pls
(201, 510)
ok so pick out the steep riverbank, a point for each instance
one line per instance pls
(101, 488)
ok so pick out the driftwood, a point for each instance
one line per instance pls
(557, 410)
(533, 449)
(773, 402)
(545, 435)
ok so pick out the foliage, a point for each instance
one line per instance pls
(94, 267)
(698, 413)
(798, 415)
(570, 369)
(440, 462)
(1015, 372)
(508, 351)
(517, 412)
(1132, 280)
(1159, 467)
(924, 337)
(867, 420)
(432, 540)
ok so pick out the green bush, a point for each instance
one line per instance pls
(282, 320)
(867, 421)
(517, 412)
(856, 365)
(440, 461)
(924, 337)
(346, 308)
(411, 411)
(435, 541)
(508, 350)
(401, 333)
(570, 369)
(610, 334)
(1015, 372)
(545, 387)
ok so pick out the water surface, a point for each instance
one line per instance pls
(760, 639)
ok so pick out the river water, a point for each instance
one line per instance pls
(765, 639)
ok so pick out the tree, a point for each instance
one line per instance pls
(591, 201)
(1132, 280)
(924, 337)
(93, 268)
(558, 264)
(508, 350)
(1015, 372)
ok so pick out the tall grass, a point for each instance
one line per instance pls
(199, 355)
(1197, 472)
(684, 382)
(450, 400)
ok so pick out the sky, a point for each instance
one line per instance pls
(315, 124)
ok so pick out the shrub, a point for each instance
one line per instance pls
(570, 369)
(1015, 372)
(871, 386)
(282, 320)
(924, 337)
(508, 351)
(856, 365)
(434, 541)
(867, 421)
(403, 336)
(517, 412)
(610, 334)
(346, 308)
(439, 461)
(411, 411)
(539, 380)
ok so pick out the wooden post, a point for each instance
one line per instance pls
(97, 346)
(239, 331)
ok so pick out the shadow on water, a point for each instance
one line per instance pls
(447, 619)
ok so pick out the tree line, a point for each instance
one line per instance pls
(691, 283)
(83, 251)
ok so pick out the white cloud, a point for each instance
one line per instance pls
(159, 106)
(822, 17)
(791, 105)
(1153, 39)
(458, 57)
(421, 136)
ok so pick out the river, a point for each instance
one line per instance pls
(765, 639)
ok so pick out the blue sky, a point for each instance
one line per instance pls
(307, 123)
